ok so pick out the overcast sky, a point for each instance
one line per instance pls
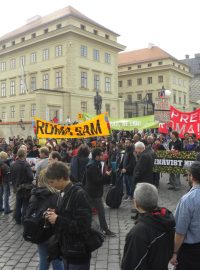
(173, 25)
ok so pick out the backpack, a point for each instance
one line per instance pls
(115, 194)
(36, 228)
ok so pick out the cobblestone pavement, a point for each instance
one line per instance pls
(15, 253)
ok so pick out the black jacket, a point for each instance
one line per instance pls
(21, 173)
(177, 145)
(77, 168)
(128, 161)
(143, 171)
(73, 224)
(5, 172)
(149, 244)
(94, 179)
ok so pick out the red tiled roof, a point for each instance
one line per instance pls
(142, 55)
(65, 12)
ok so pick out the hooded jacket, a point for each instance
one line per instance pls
(149, 244)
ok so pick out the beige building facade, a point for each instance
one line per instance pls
(54, 65)
(144, 73)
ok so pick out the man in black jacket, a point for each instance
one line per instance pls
(149, 244)
(127, 167)
(21, 177)
(72, 220)
(94, 187)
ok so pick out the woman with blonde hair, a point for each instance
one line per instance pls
(44, 196)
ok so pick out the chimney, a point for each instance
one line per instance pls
(150, 45)
(197, 55)
(187, 56)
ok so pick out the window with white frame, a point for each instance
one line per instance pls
(3, 66)
(46, 81)
(149, 80)
(83, 106)
(3, 89)
(12, 112)
(22, 111)
(83, 79)
(160, 78)
(83, 50)
(107, 84)
(59, 79)
(96, 81)
(45, 54)
(12, 88)
(33, 109)
(13, 63)
(33, 57)
(184, 99)
(21, 86)
(22, 60)
(129, 82)
(33, 83)
(58, 50)
(107, 58)
(3, 115)
(96, 55)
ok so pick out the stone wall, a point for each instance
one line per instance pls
(10, 129)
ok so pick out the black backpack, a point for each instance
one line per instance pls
(36, 228)
(115, 194)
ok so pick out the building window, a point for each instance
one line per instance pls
(149, 80)
(107, 36)
(129, 68)
(46, 81)
(129, 82)
(83, 79)
(46, 31)
(12, 63)
(13, 42)
(95, 32)
(174, 64)
(160, 78)
(3, 66)
(33, 35)
(96, 82)
(3, 89)
(33, 109)
(139, 81)
(83, 106)
(33, 57)
(33, 83)
(21, 86)
(22, 111)
(184, 99)
(107, 58)
(174, 96)
(107, 107)
(22, 60)
(59, 79)
(139, 66)
(22, 39)
(58, 26)
(160, 63)
(179, 100)
(120, 83)
(58, 50)
(96, 54)
(82, 27)
(129, 98)
(149, 64)
(45, 54)
(139, 96)
(3, 46)
(12, 112)
(149, 96)
(83, 50)
(107, 84)
(3, 115)
(12, 88)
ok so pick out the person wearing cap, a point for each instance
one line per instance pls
(187, 216)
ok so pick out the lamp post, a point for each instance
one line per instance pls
(97, 103)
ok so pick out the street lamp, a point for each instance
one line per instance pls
(97, 103)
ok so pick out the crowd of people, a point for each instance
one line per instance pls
(67, 178)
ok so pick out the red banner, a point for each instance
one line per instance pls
(182, 122)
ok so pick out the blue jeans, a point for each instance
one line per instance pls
(128, 180)
(4, 197)
(44, 264)
(85, 266)
(21, 206)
